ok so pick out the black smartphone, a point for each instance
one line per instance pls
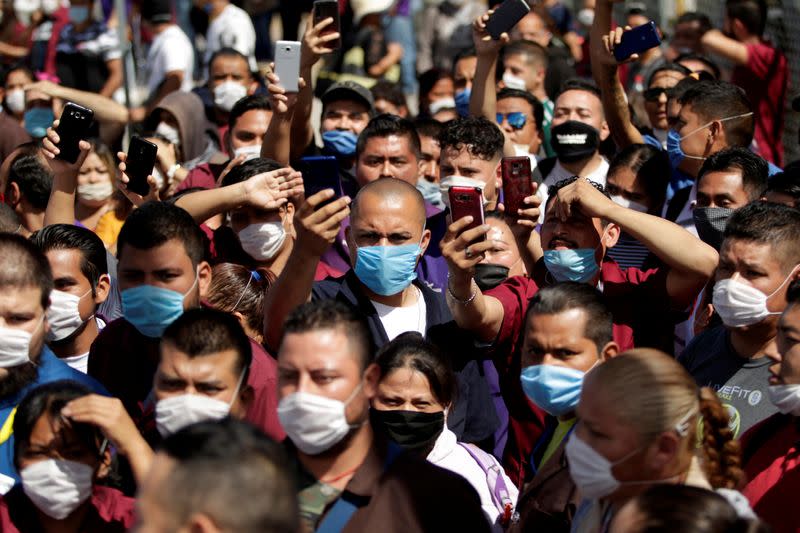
(139, 164)
(506, 17)
(328, 9)
(73, 126)
(320, 173)
(637, 40)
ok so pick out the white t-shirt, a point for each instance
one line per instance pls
(397, 320)
(232, 29)
(78, 362)
(170, 51)
(559, 173)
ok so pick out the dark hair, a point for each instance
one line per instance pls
(751, 13)
(236, 288)
(70, 237)
(569, 295)
(481, 137)
(681, 87)
(202, 331)
(253, 102)
(534, 53)
(49, 399)
(227, 51)
(9, 220)
(384, 125)
(717, 100)
(694, 16)
(793, 292)
(155, 223)
(651, 167)
(231, 472)
(668, 67)
(333, 315)
(14, 68)
(410, 350)
(463, 54)
(429, 78)
(391, 92)
(754, 169)
(537, 108)
(22, 264)
(786, 182)
(552, 192)
(33, 179)
(768, 223)
(248, 169)
(665, 508)
(704, 59)
(428, 127)
(578, 84)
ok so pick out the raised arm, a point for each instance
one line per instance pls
(105, 109)
(690, 260)
(717, 43)
(61, 204)
(472, 310)
(267, 191)
(316, 230)
(277, 140)
(605, 69)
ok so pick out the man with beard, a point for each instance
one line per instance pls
(25, 361)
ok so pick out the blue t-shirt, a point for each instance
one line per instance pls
(50, 369)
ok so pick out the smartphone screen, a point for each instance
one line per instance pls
(320, 173)
(506, 17)
(73, 126)
(140, 162)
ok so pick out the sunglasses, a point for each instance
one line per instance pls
(652, 95)
(516, 119)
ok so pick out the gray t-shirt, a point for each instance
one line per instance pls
(741, 383)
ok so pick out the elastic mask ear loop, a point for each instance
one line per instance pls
(238, 387)
(794, 268)
(249, 280)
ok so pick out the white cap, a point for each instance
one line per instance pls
(361, 8)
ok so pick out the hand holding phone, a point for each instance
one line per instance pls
(287, 64)
(506, 17)
(638, 40)
(320, 173)
(141, 159)
(464, 202)
(324, 9)
(517, 183)
(73, 126)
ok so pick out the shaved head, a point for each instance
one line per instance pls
(390, 191)
(23, 265)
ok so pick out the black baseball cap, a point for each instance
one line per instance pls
(349, 90)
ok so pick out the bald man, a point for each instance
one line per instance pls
(386, 239)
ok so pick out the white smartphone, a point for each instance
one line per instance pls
(287, 64)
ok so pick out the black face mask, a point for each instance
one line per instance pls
(412, 430)
(574, 140)
(710, 224)
(490, 276)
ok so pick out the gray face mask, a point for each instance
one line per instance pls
(710, 224)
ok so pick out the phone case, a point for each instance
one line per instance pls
(467, 201)
(637, 40)
(506, 17)
(324, 9)
(73, 126)
(139, 164)
(517, 183)
(287, 64)
(320, 173)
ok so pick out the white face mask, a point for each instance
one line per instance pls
(460, 181)
(442, 103)
(15, 345)
(227, 93)
(159, 177)
(15, 100)
(314, 423)
(522, 150)
(739, 304)
(786, 398)
(177, 412)
(629, 204)
(57, 487)
(169, 133)
(63, 315)
(263, 241)
(94, 192)
(249, 152)
(513, 82)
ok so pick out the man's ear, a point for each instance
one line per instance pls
(246, 397)
(611, 235)
(202, 523)
(605, 131)
(426, 240)
(13, 194)
(203, 278)
(372, 376)
(102, 289)
(610, 350)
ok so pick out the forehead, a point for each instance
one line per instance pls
(65, 261)
(531, 22)
(229, 63)
(791, 316)
(465, 67)
(666, 79)
(428, 144)
(750, 252)
(395, 212)
(390, 145)
(318, 349)
(566, 325)
(729, 179)
(500, 230)
(26, 299)
(345, 106)
(254, 118)
(216, 364)
(171, 253)
(575, 99)
(514, 104)
(406, 381)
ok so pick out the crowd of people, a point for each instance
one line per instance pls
(293, 327)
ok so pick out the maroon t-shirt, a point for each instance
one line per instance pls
(764, 79)
(642, 317)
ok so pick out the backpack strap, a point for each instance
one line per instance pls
(494, 478)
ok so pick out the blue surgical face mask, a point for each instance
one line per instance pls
(572, 265)
(674, 149)
(340, 142)
(37, 120)
(387, 270)
(78, 14)
(555, 389)
(151, 309)
(462, 102)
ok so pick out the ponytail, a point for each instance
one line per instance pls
(722, 453)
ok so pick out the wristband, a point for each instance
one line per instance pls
(459, 300)
(172, 170)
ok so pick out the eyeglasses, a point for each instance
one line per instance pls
(516, 119)
(652, 95)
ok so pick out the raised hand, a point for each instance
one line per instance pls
(461, 250)
(484, 44)
(59, 166)
(315, 44)
(316, 226)
(123, 180)
(270, 190)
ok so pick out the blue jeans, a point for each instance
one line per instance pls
(400, 29)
